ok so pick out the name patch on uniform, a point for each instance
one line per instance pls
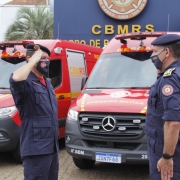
(167, 90)
(36, 83)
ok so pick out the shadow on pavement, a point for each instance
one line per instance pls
(125, 168)
(7, 158)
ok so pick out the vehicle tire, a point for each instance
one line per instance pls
(17, 154)
(83, 163)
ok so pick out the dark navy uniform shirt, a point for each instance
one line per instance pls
(37, 106)
(164, 105)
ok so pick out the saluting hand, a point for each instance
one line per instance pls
(36, 56)
(166, 168)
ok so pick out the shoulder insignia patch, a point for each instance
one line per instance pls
(168, 72)
(167, 90)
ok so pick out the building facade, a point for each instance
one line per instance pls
(95, 22)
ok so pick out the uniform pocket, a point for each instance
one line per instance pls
(40, 94)
(153, 102)
(42, 129)
(151, 138)
(153, 98)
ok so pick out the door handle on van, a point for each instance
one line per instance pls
(61, 97)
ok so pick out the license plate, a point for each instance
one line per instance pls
(107, 157)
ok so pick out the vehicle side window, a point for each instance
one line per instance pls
(55, 72)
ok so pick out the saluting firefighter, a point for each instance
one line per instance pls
(163, 114)
(37, 105)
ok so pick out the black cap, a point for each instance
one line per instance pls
(31, 47)
(166, 39)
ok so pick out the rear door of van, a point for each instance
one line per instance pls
(77, 70)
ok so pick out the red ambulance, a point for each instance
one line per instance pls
(105, 123)
(70, 62)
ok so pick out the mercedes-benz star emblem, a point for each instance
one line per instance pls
(108, 123)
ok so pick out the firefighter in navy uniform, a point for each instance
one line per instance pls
(37, 105)
(163, 114)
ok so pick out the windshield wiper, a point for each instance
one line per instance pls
(132, 87)
(140, 87)
(118, 87)
(99, 88)
(4, 87)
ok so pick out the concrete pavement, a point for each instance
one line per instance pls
(10, 170)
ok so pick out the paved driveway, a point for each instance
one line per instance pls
(9, 170)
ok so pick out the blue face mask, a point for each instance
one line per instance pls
(43, 66)
(156, 61)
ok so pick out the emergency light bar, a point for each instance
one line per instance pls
(139, 35)
(11, 44)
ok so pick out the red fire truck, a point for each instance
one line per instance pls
(70, 62)
(106, 121)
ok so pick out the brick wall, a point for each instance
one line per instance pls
(26, 2)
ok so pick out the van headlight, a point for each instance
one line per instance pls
(8, 111)
(72, 115)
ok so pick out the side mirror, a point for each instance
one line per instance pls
(83, 82)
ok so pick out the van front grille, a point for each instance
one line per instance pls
(119, 125)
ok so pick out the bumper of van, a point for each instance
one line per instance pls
(83, 147)
(128, 157)
(9, 134)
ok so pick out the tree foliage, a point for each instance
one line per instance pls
(31, 23)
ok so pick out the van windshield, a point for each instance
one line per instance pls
(126, 70)
(5, 71)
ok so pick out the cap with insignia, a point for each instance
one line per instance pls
(34, 47)
(166, 39)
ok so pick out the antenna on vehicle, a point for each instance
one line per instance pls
(168, 24)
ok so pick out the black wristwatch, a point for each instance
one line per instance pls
(167, 156)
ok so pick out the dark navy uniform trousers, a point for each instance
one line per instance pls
(48, 166)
